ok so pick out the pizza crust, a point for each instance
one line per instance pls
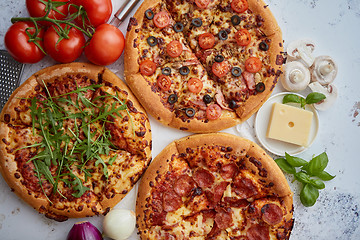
(8, 166)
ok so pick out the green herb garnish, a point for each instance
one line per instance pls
(310, 174)
(313, 97)
(73, 136)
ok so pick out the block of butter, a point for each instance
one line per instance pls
(289, 124)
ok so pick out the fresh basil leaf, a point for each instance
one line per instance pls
(308, 195)
(314, 97)
(325, 176)
(318, 164)
(302, 103)
(302, 177)
(295, 161)
(317, 183)
(291, 98)
(285, 166)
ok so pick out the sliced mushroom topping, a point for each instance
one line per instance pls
(296, 76)
(330, 91)
(301, 49)
(324, 70)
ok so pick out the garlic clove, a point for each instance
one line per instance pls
(330, 91)
(296, 76)
(301, 49)
(324, 70)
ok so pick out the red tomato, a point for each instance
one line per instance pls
(174, 48)
(67, 50)
(161, 19)
(220, 69)
(202, 3)
(239, 6)
(164, 82)
(106, 45)
(253, 64)
(243, 37)
(206, 40)
(98, 11)
(37, 9)
(18, 45)
(213, 111)
(147, 67)
(195, 85)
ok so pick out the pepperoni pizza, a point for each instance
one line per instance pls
(74, 141)
(214, 186)
(202, 65)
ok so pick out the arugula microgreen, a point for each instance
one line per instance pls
(72, 138)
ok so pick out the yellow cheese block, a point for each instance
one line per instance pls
(290, 124)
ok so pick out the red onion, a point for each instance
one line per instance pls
(84, 231)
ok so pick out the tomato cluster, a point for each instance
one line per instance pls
(59, 28)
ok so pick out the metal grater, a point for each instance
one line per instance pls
(10, 76)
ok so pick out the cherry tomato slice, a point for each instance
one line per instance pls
(161, 19)
(253, 64)
(202, 3)
(239, 6)
(147, 67)
(206, 40)
(243, 37)
(174, 49)
(213, 111)
(195, 85)
(220, 69)
(164, 82)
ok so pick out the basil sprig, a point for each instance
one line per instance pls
(313, 97)
(311, 174)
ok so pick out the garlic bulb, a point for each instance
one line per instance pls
(119, 224)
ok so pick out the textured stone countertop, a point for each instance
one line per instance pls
(334, 27)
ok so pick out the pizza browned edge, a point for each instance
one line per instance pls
(240, 146)
(8, 165)
(151, 101)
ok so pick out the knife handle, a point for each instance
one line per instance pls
(123, 12)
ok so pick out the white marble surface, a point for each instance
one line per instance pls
(334, 26)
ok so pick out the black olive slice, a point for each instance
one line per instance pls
(232, 104)
(223, 35)
(152, 41)
(236, 71)
(235, 20)
(166, 71)
(219, 58)
(172, 98)
(260, 87)
(190, 112)
(263, 46)
(149, 14)
(184, 70)
(207, 99)
(196, 22)
(178, 27)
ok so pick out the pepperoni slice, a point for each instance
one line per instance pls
(228, 171)
(258, 232)
(184, 185)
(223, 218)
(235, 202)
(217, 193)
(174, 49)
(171, 201)
(147, 67)
(244, 188)
(272, 214)
(243, 37)
(203, 178)
(239, 6)
(158, 219)
(161, 19)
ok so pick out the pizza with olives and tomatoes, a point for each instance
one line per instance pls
(214, 186)
(203, 65)
(74, 141)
